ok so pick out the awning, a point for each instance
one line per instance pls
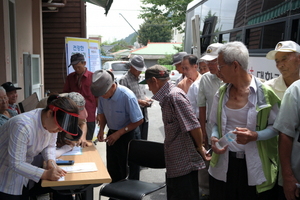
(103, 3)
(274, 12)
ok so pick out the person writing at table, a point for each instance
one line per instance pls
(28, 134)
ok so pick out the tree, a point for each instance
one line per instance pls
(172, 10)
(155, 30)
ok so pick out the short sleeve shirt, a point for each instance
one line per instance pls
(180, 153)
(288, 122)
(121, 109)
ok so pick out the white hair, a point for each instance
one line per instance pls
(2, 88)
(235, 51)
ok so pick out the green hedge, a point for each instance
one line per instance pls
(170, 67)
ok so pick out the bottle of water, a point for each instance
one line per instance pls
(225, 140)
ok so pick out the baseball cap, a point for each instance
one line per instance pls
(177, 58)
(283, 46)
(156, 71)
(138, 63)
(211, 52)
(102, 81)
(9, 86)
(76, 58)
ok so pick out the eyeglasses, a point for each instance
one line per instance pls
(4, 99)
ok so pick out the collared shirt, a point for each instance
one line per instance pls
(208, 86)
(22, 138)
(132, 82)
(185, 83)
(181, 155)
(288, 122)
(4, 118)
(121, 109)
(254, 166)
(90, 100)
(278, 85)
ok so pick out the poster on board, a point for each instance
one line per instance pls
(89, 48)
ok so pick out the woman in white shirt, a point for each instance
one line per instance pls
(28, 134)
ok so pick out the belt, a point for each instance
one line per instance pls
(238, 154)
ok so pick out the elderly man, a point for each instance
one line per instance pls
(177, 59)
(287, 59)
(5, 112)
(208, 86)
(286, 86)
(131, 81)
(190, 70)
(80, 81)
(118, 108)
(184, 152)
(12, 94)
(247, 167)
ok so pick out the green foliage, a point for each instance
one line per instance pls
(169, 67)
(155, 30)
(121, 44)
(167, 60)
(171, 10)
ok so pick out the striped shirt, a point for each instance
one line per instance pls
(180, 152)
(21, 139)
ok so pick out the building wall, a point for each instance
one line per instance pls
(26, 17)
(69, 21)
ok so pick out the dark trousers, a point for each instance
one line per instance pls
(183, 187)
(236, 187)
(116, 156)
(145, 125)
(90, 130)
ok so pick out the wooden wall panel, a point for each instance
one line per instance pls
(69, 21)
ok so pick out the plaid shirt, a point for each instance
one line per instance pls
(180, 152)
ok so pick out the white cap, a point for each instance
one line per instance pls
(211, 52)
(284, 46)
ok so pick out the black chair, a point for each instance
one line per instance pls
(143, 153)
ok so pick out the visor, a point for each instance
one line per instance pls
(74, 138)
(67, 121)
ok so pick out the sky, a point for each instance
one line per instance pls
(113, 26)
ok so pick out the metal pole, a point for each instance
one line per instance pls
(129, 24)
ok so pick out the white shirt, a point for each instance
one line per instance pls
(254, 166)
(288, 122)
(208, 86)
(278, 86)
(192, 95)
(21, 139)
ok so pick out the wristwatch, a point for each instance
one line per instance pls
(126, 129)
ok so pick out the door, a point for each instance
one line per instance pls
(36, 75)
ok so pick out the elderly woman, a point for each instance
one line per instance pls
(5, 113)
(247, 167)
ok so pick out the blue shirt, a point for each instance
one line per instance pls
(21, 139)
(121, 109)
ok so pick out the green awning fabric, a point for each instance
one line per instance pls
(274, 12)
(103, 3)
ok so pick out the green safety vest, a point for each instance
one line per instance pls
(268, 149)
